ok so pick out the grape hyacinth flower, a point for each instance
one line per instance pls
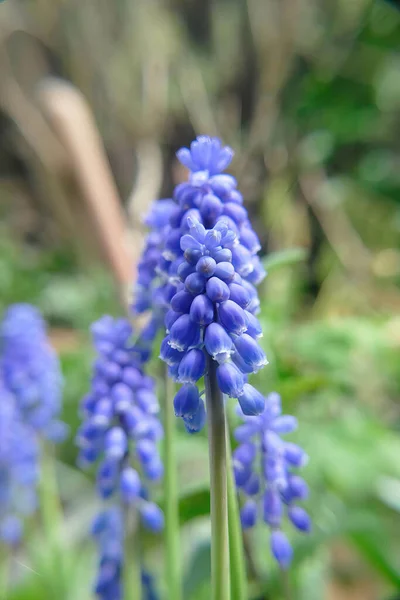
(264, 466)
(19, 469)
(121, 428)
(211, 196)
(209, 317)
(108, 530)
(30, 370)
(208, 196)
(157, 220)
(121, 423)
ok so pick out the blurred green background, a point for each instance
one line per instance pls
(308, 95)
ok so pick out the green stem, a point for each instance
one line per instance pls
(173, 575)
(220, 581)
(52, 519)
(132, 576)
(236, 548)
(4, 571)
(286, 585)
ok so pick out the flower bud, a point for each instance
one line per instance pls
(250, 352)
(235, 211)
(202, 310)
(232, 317)
(222, 255)
(299, 518)
(152, 516)
(224, 271)
(272, 508)
(115, 443)
(217, 290)
(206, 266)
(230, 380)
(239, 294)
(183, 333)
(242, 260)
(210, 208)
(196, 422)
(195, 283)
(170, 355)
(130, 485)
(251, 401)
(186, 401)
(192, 366)
(181, 302)
(248, 514)
(217, 342)
(281, 549)
(249, 239)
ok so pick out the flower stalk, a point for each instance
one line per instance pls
(236, 548)
(4, 570)
(173, 573)
(220, 580)
(52, 516)
(132, 581)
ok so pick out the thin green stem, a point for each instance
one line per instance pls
(52, 519)
(220, 580)
(5, 555)
(173, 574)
(132, 577)
(236, 548)
(286, 585)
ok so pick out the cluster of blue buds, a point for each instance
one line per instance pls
(209, 196)
(109, 532)
(30, 370)
(121, 424)
(210, 316)
(30, 405)
(263, 466)
(19, 454)
(146, 294)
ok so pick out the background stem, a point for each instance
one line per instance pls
(220, 582)
(236, 548)
(52, 520)
(5, 555)
(173, 574)
(132, 577)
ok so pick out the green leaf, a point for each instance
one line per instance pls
(284, 258)
(199, 571)
(374, 553)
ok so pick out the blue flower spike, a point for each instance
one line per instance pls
(264, 466)
(120, 430)
(31, 370)
(210, 322)
(201, 238)
(30, 406)
(19, 469)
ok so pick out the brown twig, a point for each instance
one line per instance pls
(73, 122)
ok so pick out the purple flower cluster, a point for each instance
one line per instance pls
(19, 469)
(146, 294)
(30, 403)
(263, 466)
(108, 530)
(31, 371)
(209, 316)
(121, 423)
(209, 196)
